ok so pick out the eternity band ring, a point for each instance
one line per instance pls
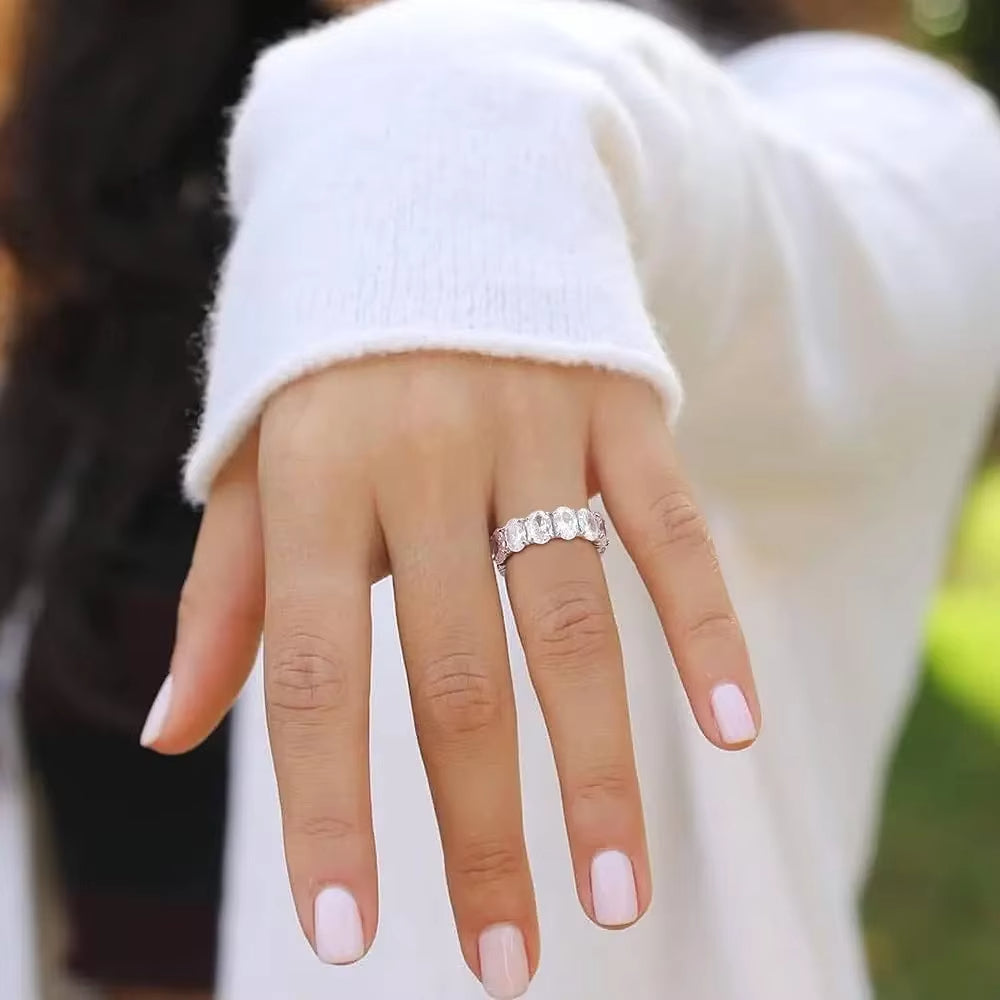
(542, 527)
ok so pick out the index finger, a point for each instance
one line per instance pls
(317, 521)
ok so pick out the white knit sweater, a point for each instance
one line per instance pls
(580, 183)
(806, 237)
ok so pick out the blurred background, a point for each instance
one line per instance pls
(932, 906)
(933, 903)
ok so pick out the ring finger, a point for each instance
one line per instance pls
(564, 617)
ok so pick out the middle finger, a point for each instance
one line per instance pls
(454, 647)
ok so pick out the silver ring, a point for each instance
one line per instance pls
(542, 527)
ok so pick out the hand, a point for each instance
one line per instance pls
(404, 465)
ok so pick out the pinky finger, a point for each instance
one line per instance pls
(652, 507)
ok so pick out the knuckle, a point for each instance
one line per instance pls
(488, 862)
(602, 791)
(677, 524)
(457, 697)
(573, 627)
(323, 827)
(192, 604)
(307, 674)
(715, 625)
(429, 446)
(522, 400)
(434, 414)
(433, 425)
(290, 426)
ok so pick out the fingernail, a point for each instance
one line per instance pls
(503, 962)
(612, 884)
(340, 938)
(732, 715)
(157, 714)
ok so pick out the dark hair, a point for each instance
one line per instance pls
(740, 21)
(110, 209)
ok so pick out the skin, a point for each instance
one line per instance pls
(394, 488)
(302, 523)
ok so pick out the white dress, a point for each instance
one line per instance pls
(805, 238)
(812, 230)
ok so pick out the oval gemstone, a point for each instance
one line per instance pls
(539, 527)
(500, 550)
(565, 523)
(602, 534)
(589, 527)
(515, 534)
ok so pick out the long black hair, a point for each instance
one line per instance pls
(110, 209)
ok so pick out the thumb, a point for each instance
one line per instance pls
(220, 616)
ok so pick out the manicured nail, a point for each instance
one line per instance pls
(157, 714)
(612, 884)
(732, 715)
(340, 938)
(503, 962)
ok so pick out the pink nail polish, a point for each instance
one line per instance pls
(340, 938)
(503, 962)
(157, 714)
(732, 715)
(612, 885)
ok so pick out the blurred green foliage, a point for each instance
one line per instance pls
(932, 910)
(966, 30)
(963, 643)
(978, 40)
(933, 904)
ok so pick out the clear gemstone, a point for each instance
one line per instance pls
(539, 525)
(565, 523)
(516, 534)
(500, 550)
(589, 525)
(602, 534)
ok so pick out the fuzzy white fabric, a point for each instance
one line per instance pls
(563, 181)
(806, 237)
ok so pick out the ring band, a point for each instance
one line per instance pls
(542, 527)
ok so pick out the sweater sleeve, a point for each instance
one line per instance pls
(577, 183)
